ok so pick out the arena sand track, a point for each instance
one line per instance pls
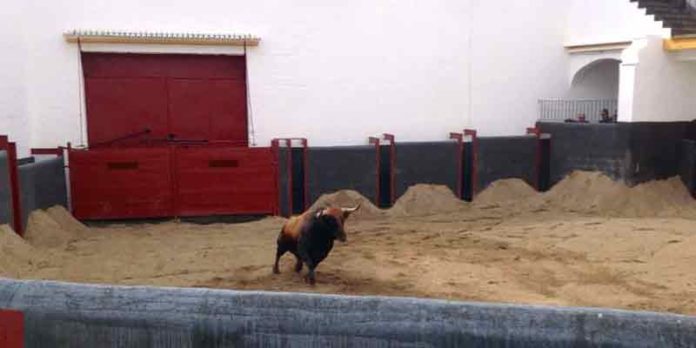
(588, 242)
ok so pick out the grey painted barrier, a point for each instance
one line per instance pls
(42, 185)
(630, 152)
(72, 315)
(504, 158)
(283, 181)
(342, 168)
(426, 163)
(655, 150)
(5, 190)
(593, 147)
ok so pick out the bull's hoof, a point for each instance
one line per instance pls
(310, 280)
(276, 270)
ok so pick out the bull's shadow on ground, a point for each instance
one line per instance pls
(328, 281)
(199, 220)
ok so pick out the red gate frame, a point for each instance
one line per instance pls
(13, 168)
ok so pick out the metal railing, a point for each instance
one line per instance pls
(562, 109)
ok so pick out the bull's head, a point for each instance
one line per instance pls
(335, 218)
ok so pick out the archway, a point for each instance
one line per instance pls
(597, 80)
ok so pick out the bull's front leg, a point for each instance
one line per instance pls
(311, 265)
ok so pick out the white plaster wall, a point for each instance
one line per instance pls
(517, 58)
(598, 80)
(665, 87)
(14, 120)
(332, 71)
(603, 21)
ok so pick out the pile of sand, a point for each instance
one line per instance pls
(53, 228)
(506, 191)
(595, 193)
(426, 199)
(16, 255)
(348, 199)
(68, 222)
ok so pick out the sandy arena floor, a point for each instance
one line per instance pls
(588, 242)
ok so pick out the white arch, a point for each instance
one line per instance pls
(578, 61)
(599, 79)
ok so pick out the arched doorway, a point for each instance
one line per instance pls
(598, 80)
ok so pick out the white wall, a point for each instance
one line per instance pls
(14, 120)
(665, 87)
(517, 58)
(598, 80)
(333, 71)
(603, 21)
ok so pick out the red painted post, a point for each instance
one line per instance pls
(474, 169)
(392, 160)
(305, 165)
(48, 151)
(459, 137)
(537, 157)
(14, 188)
(11, 329)
(376, 142)
(275, 146)
(305, 160)
(288, 143)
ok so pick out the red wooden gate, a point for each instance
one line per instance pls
(225, 180)
(172, 96)
(172, 181)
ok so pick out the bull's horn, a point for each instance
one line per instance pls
(350, 210)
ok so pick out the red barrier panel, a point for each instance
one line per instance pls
(11, 329)
(121, 183)
(223, 181)
(173, 181)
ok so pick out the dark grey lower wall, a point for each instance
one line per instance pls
(592, 147)
(342, 168)
(283, 180)
(426, 163)
(72, 315)
(42, 185)
(630, 152)
(687, 165)
(506, 157)
(655, 150)
(5, 193)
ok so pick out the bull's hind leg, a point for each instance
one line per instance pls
(279, 252)
(298, 264)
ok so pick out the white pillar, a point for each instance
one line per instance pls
(627, 80)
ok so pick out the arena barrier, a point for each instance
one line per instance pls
(629, 152)
(73, 315)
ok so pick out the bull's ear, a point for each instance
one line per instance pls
(348, 211)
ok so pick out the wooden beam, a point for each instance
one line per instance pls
(680, 44)
(606, 46)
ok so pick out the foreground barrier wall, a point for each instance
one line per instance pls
(342, 168)
(505, 157)
(42, 185)
(5, 193)
(426, 163)
(71, 315)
